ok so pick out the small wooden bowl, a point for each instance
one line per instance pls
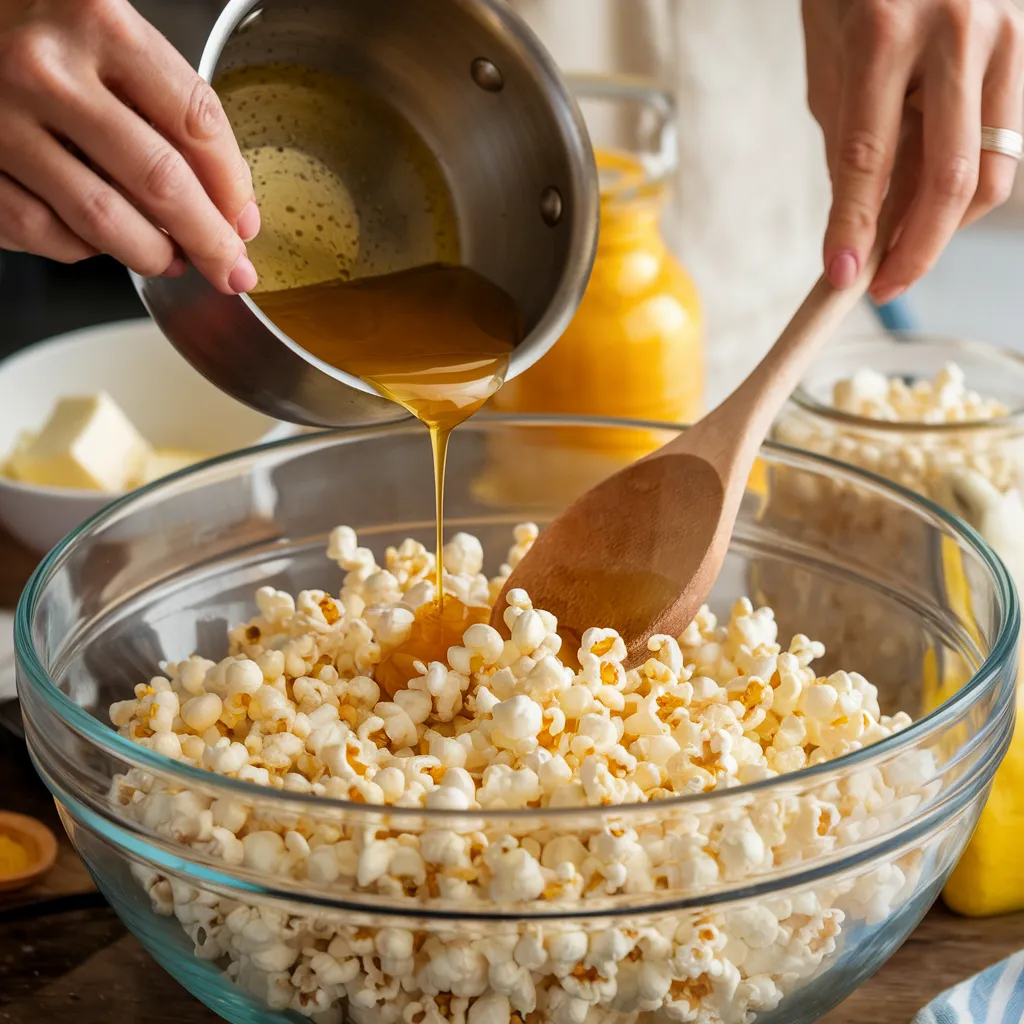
(40, 842)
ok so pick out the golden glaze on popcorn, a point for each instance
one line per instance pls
(506, 725)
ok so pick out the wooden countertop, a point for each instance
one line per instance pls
(65, 957)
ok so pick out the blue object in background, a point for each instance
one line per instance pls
(896, 316)
(996, 996)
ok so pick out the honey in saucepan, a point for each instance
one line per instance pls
(358, 264)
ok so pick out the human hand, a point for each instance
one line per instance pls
(922, 76)
(110, 142)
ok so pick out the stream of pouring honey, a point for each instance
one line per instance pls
(435, 339)
(359, 264)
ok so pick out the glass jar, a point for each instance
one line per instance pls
(973, 469)
(633, 350)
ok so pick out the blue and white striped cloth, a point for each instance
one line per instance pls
(996, 996)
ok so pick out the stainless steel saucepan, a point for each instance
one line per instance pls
(487, 99)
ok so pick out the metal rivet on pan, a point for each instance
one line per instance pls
(551, 205)
(249, 20)
(487, 75)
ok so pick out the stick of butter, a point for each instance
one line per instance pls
(164, 461)
(87, 443)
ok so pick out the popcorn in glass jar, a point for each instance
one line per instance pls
(943, 418)
(940, 417)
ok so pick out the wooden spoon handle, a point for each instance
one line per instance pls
(741, 422)
(762, 394)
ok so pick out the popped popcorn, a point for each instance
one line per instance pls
(964, 451)
(935, 437)
(946, 399)
(976, 474)
(491, 726)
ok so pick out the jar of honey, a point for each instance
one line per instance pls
(634, 348)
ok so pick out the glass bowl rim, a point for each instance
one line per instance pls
(987, 351)
(110, 741)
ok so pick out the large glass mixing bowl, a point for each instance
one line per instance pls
(169, 569)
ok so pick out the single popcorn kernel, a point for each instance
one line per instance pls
(692, 991)
(330, 610)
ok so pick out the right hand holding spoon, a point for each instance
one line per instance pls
(944, 76)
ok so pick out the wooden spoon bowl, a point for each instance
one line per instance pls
(640, 552)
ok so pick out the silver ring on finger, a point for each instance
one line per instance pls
(1004, 141)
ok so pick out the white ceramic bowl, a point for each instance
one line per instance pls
(167, 400)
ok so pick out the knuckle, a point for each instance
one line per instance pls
(816, 105)
(241, 183)
(917, 269)
(91, 10)
(163, 178)
(242, 173)
(222, 249)
(112, 22)
(204, 115)
(908, 268)
(852, 219)
(32, 59)
(862, 153)
(106, 13)
(879, 23)
(955, 179)
(27, 221)
(1011, 33)
(959, 15)
(99, 213)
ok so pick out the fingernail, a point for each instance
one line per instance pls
(249, 222)
(842, 271)
(243, 276)
(176, 267)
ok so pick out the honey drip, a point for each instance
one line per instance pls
(435, 339)
(358, 263)
(435, 629)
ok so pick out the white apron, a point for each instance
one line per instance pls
(752, 193)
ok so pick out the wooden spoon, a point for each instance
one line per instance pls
(641, 551)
